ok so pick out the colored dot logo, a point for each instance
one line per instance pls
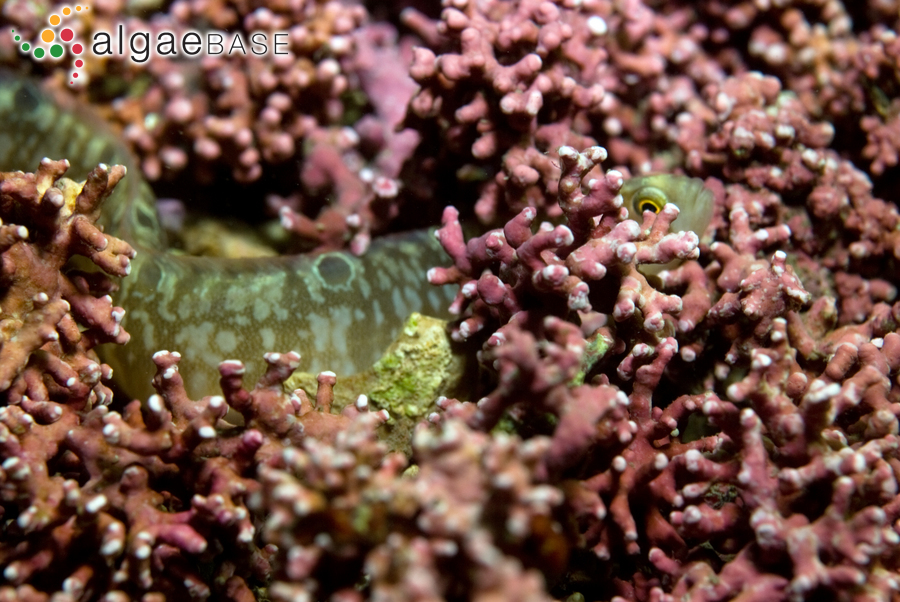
(53, 41)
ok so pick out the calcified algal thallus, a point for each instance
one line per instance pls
(339, 311)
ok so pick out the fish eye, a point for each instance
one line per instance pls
(647, 205)
(649, 198)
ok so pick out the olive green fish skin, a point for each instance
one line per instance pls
(339, 311)
(694, 200)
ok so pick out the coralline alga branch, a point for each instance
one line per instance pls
(704, 371)
(159, 490)
(158, 496)
(52, 318)
(162, 499)
(590, 263)
(657, 478)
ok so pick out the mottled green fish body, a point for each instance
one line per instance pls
(339, 311)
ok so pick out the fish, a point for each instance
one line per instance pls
(339, 311)
(653, 192)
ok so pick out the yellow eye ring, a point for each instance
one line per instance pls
(649, 198)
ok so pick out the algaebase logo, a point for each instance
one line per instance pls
(55, 40)
(140, 45)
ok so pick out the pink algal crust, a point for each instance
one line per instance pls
(54, 317)
(657, 495)
(748, 486)
(562, 260)
(756, 134)
(798, 49)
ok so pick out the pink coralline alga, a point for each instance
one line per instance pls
(156, 493)
(322, 109)
(494, 73)
(654, 469)
(52, 317)
(470, 502)
(725, 428)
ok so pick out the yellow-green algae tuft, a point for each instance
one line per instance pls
(421, 365)
(598, 345)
